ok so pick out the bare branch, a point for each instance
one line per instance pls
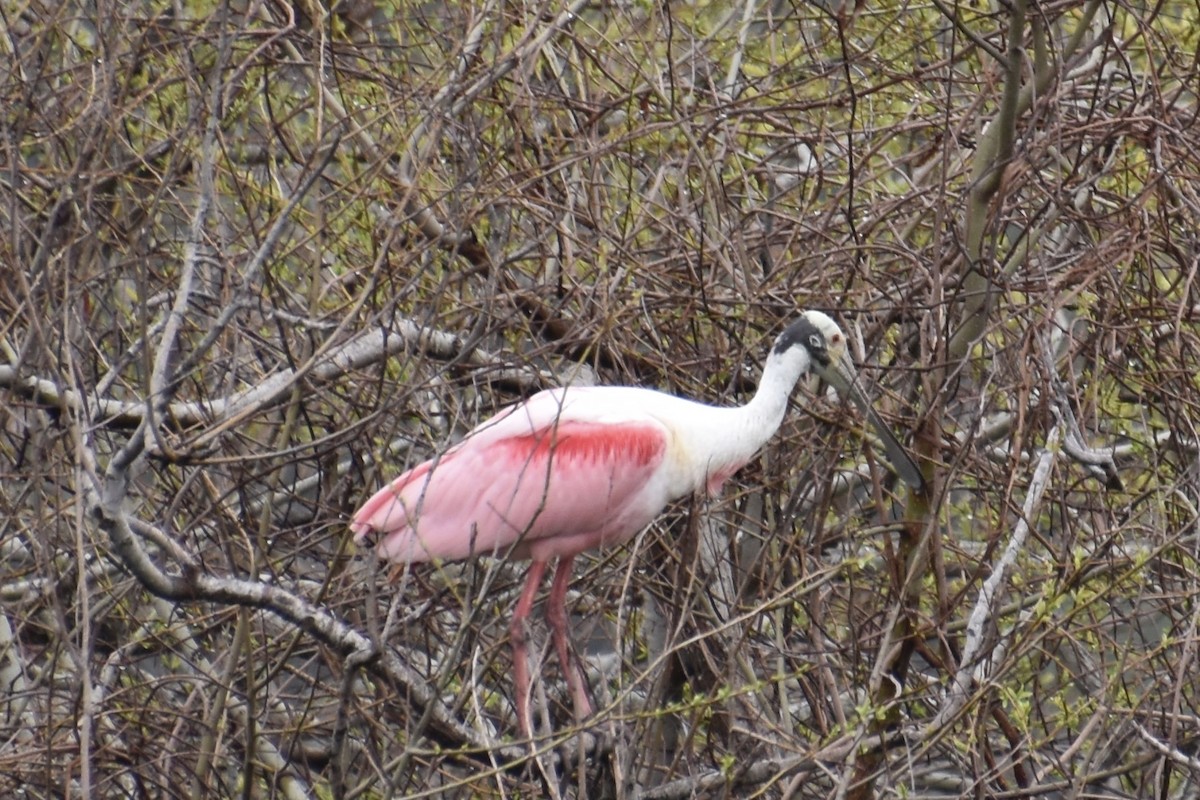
(364, 350)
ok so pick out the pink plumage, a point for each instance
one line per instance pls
(572, 469)
(528, 484)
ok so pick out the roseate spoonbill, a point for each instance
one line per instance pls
(576, 468)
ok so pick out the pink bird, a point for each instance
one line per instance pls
(584, 467)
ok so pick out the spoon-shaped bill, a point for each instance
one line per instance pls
(840, 375)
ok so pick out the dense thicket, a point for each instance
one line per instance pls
(259, 257)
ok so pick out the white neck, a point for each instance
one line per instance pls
(766, 409)
(732, 436)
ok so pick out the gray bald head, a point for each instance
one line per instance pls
(816, 333)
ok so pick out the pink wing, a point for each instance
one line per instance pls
(522, 485)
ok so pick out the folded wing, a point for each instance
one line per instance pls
(525, 487)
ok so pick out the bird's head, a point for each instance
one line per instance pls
(824, 343)
(818, 337)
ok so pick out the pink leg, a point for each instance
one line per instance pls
(519, 637)
(556, 614)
